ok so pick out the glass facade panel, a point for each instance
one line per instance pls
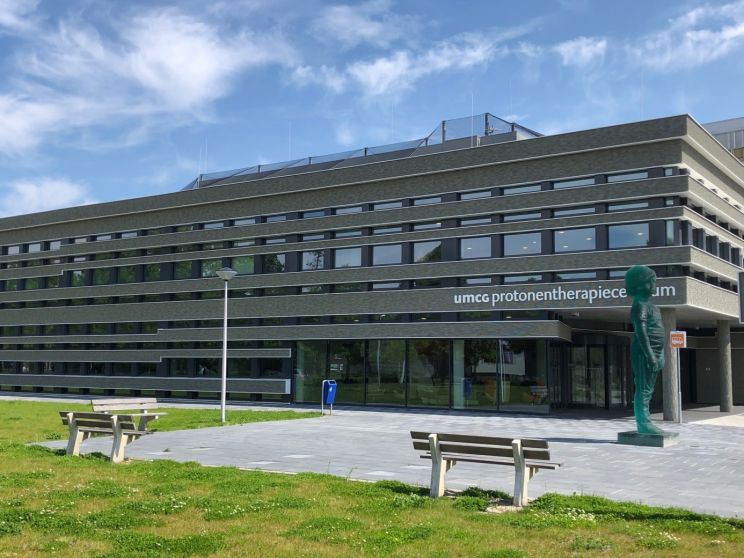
(274, 263)
(152, 272)
(429, 364)
(427, 252)
(475, 373)
(182, 270)
(634, 235)
(209, 268)
(386, 372)
(521, 189)
(312, 260)
(244, 265)
(346, 366)
(522, 244)
(475, 247)
(573, 183)
(574, 240)
(310, 370)
(347, 257)
(102, 276)
(523, 375)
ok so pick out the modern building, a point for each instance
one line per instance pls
(730, 133)
(478, 268)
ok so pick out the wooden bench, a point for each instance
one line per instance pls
(125, 428)
(527, 456)
(141, 404)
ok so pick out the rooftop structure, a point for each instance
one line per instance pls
(730, 133)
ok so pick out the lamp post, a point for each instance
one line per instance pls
(225, 274)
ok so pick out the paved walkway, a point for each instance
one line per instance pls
(705, 472)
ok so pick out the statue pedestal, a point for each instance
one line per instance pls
(633, 438)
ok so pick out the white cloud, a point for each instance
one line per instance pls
(402, 69)
(41, 194)
(582, 52)
(158, 69)
(15, 15)
(700, 36)
(344, 134)
(325, 76)
(369, 23)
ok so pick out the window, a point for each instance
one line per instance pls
(274, 263)
(475, 247)
(426, 283)
(209, 268)
(13, 250)
(426, 252)
(77, 279)
(347, 257)
(475, 221)
(522, 244)
(244, 265)
(387, 205)
(103, 276)
(182, 270)
(33, 283)
(52, 282)
(313, 259)
(521, 216)
(318, 236)
(470, 281)
(573, 240)
(578, 275)
(313, 214)
(347, 210)
(215, 225)
(511, 279)
(386, 286)
(671, 227)
(35, 247)
(186, 228)
(633, 235)
(276, 240)
(627, 206)
(152, 272)
(244, 221)
(387, 230)
(573, 183)
(129, 234)
(428, 201)
(242, 243)
(573, 211)
(427, 226)
(387, 254)
(80, 240)
(276, 218)
(347, 234)
(312, 289)
(213, 246)
(55, 244)
(627, 176)
(475, 195)
(348, 287)
(128, 274)
(529, 188)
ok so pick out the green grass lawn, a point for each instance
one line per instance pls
(51, 504)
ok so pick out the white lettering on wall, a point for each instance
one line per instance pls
(555, 294)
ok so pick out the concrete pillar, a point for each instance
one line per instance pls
(670, 385)
(724, 365)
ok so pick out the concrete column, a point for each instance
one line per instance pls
(670, 385)
(724, 365)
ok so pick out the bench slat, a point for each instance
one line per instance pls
(533, 464)
(487, 440)
(124, 401)
(492, 451)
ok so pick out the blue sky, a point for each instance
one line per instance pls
(104, 100)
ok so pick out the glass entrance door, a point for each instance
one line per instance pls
(586, 365)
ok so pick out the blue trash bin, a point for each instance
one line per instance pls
(467, 387)
(329, 394)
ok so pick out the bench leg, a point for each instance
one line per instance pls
(439, 467)
(522, 475)
(120, 441)
(76, 438)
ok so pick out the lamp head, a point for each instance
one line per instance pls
(226, 273)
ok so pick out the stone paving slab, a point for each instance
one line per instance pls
(704, 472)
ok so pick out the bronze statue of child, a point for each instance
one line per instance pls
(647, 347)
